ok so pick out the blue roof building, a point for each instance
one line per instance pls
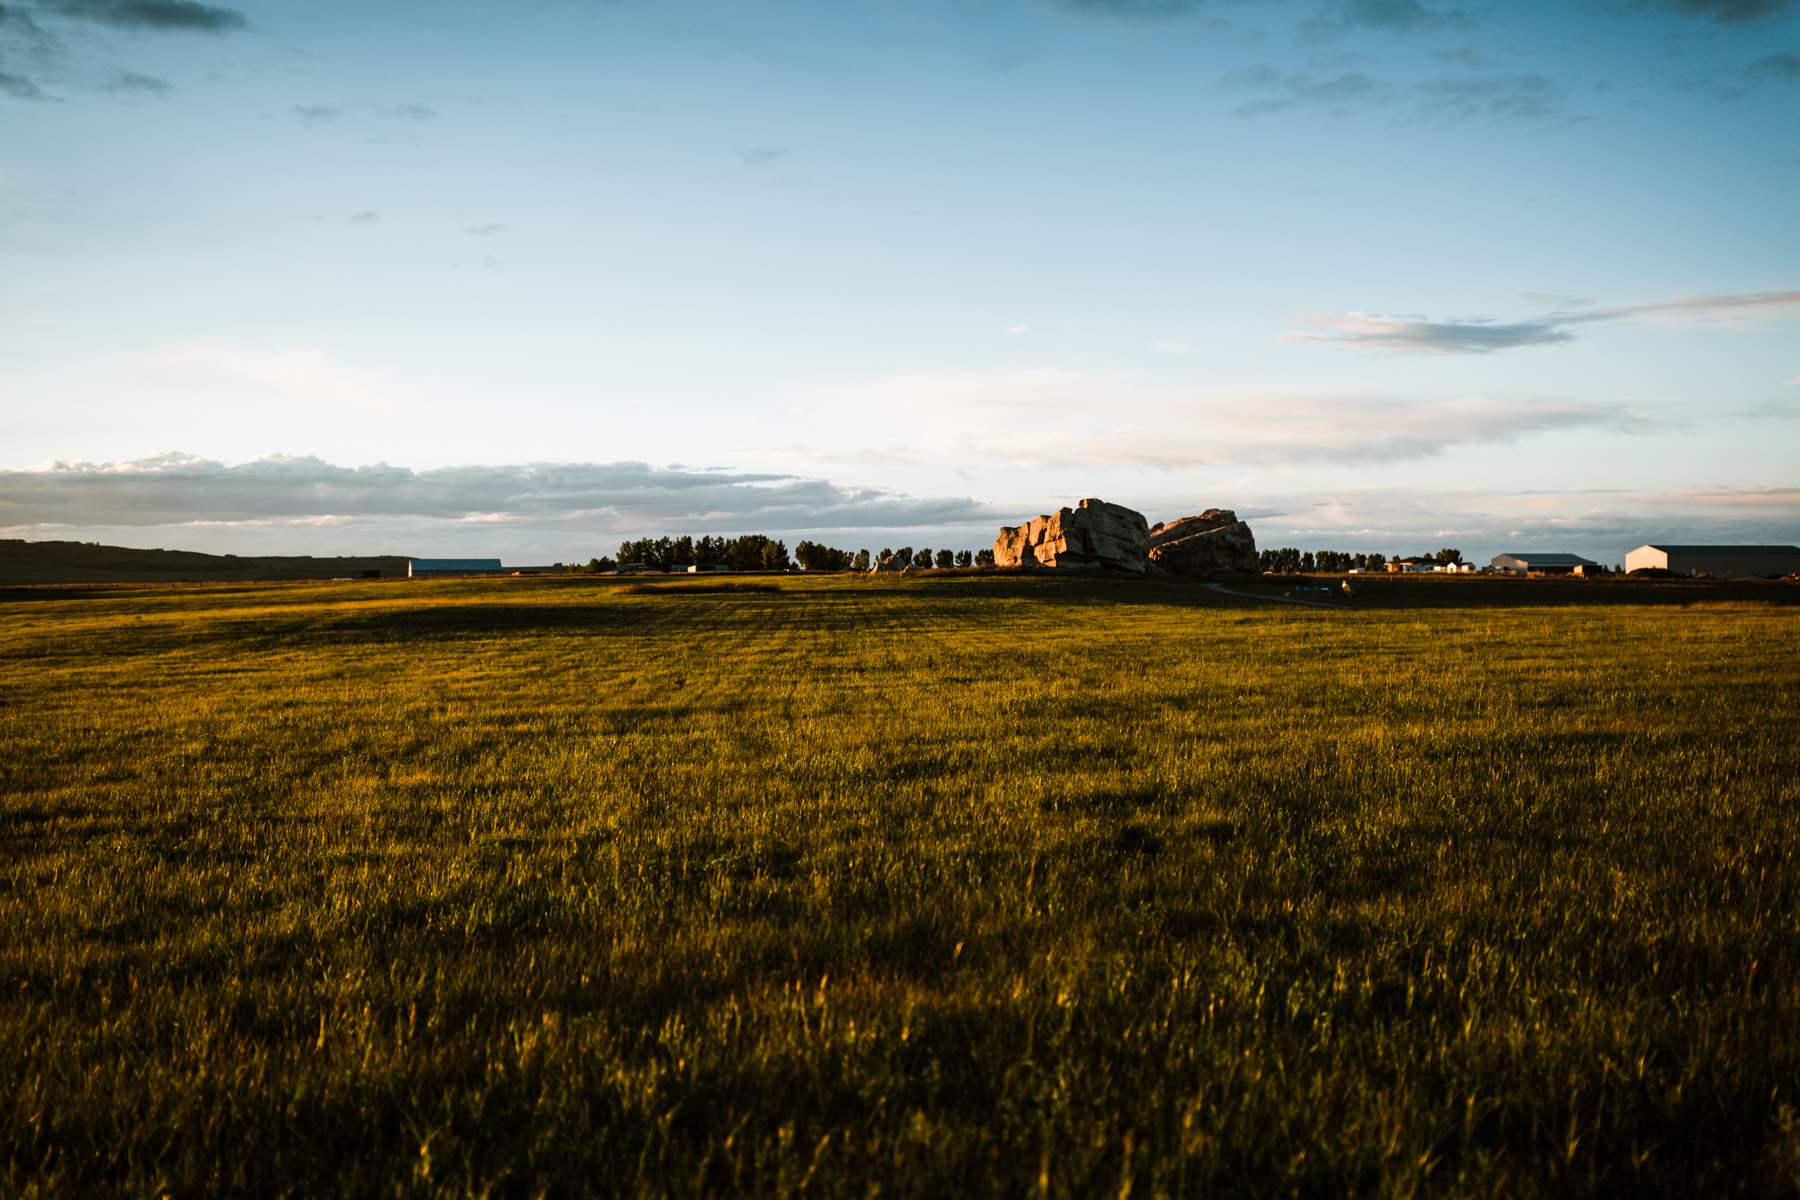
(451, 566)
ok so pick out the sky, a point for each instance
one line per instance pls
(524, 279)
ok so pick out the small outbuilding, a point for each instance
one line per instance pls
(1754, 562)
(452, 566)
(1525, 562)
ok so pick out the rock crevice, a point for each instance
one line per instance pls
(1092, 536)
(1213, 543)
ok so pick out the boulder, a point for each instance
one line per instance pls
(891, 564)
(1092, 536)
(1212, 543)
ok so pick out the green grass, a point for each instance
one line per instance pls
(899, 886)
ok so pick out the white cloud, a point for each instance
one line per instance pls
(181, 489)
(1481, 335)
(1038, 419)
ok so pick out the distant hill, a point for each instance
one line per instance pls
(86, 562)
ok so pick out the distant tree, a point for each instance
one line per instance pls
(1449, 554)
(965, 558)
(861, 561)
(1307, 562)
(984, 558)
(815, 557)
(1377, 560)
(905, 555)
(922, 559)
(944, 560)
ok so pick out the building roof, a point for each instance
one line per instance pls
(456, 564)
(1547, 560)
(1737, 551)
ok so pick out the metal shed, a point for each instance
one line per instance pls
(1526, 562)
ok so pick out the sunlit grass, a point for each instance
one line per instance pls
(928, 886)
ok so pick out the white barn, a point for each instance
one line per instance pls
(1757, 562)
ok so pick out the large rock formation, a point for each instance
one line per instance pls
(1213, 543)
(1090, 536)
(891, 563)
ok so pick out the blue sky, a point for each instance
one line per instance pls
(524, 279)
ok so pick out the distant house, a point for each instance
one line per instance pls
(1756, 562)
(1525, 562)
(1412, 565)
(452, 566)
(702, 568)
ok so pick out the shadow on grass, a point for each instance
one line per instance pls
(693, 589)
(1051, 589)
(1401, 592)
(424, 625)
(442, 621)
(13, 595)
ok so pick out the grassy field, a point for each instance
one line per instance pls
(927, 886)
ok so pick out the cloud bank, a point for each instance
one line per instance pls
(21, 88)
(1482, 335)
(1058, 420)
(176, 15)
(132, 81)
(1728, 12)
(1525, 96)
(1385, 16)
(182, 489)
(1603, 523)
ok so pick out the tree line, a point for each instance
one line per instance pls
(749, 552)
(1289, 561)
(756, 552)
(814, 556)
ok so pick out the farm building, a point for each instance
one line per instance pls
(452, 566)
(1411, 565)
(1524, 562)
(1759, 562)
